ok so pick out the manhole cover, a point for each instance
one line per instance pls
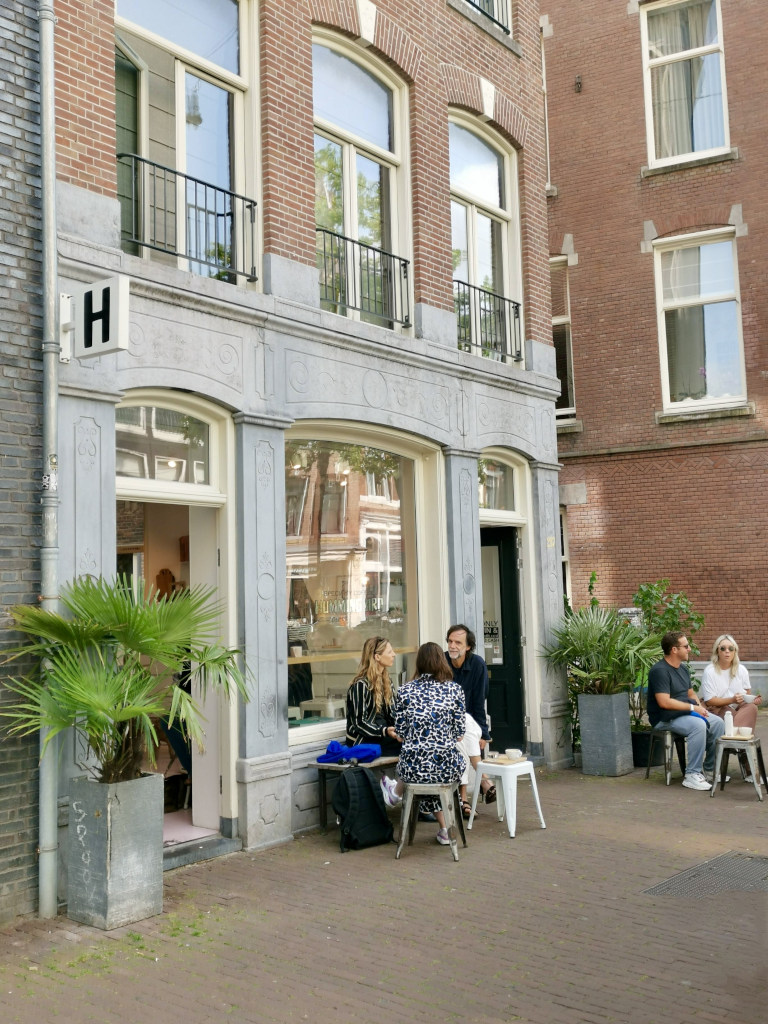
(732, 872)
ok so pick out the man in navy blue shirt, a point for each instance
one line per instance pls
(470, 673)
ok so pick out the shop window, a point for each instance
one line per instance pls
(351, 568)
(485, 243)
(702, 359)
(685, 97)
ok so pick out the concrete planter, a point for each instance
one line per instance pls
(606, 739)
(115, 851)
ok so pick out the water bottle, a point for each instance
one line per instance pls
(728, 723)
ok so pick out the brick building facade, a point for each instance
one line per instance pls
(335, 402)
(657, 218)
(20, 465)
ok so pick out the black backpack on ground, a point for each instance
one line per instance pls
(359, 803)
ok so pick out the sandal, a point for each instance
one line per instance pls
(466, 809)
(490, 795)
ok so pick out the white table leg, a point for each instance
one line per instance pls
(475, 797)
(532, 776)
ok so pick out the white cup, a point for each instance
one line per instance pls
(296, 652)
(513, 752)
(744, 732)
(748, 697)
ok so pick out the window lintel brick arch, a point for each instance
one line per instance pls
(390, 40)
(464, 89)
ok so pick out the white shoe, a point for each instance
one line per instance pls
(695, 780)
(710, 777)
(749, 779)
(443, 838)
(391, 798)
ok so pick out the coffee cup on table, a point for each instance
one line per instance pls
(297, 651)
(513, 752)
(745, 732)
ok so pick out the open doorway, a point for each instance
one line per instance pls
(173, 546)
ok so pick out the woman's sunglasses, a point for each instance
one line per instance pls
(724, 648)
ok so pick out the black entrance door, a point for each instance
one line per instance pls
(501, 637)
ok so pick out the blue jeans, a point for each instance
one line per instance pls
(701, 739)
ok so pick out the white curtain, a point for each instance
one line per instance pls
(686, 348)
(687, 102)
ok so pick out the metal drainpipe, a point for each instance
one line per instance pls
(49, 551)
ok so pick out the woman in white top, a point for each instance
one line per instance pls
(725, 684)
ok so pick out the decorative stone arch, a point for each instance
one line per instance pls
(362, 20)
(465, 89)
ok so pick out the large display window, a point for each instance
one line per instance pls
(351, 567)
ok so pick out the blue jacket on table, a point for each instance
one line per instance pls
(472, 677)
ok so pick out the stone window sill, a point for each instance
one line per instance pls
(570, 427)
(748, 409)
(682, 165)
(486, 25)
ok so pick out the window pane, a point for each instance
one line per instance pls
(496, 485)
(161, 444)
(476, 168)
(208, 28)
(347, 564)
(685, 26)
(703, 354)
(350, 98)
(329, 184)
(697, 272)
(561, 339)
(372, 203)
(559, 283)
(459, 242)
(687, 106)
(489, 254)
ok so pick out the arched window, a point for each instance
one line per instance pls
(357, 171)
(485, 243)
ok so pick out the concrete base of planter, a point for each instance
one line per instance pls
(606, 739)
(115, 851)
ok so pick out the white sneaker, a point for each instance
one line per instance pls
(695, 780)
(443, 838)
(391, 798)
(710, 777)
(749, 779)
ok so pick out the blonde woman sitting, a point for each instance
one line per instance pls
(370, 701)
(725, 685)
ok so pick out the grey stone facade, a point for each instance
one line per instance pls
(20, 407)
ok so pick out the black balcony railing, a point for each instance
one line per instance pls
(173, 213)
(496, 10)
(488, 324)
(355, 276)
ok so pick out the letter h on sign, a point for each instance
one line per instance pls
(97, 314)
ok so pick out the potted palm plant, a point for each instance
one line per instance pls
(111, 666)
(603, 653)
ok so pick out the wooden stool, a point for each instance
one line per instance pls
(449, 800)
(506, 776)
(670, 739)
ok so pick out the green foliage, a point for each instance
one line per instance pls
(663, 612)
(602, 651)
(112, 664)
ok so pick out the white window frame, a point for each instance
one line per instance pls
(397, 159)
(650, 63)
(686, 242)
(565, 321)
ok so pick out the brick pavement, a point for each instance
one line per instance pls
(552, 927)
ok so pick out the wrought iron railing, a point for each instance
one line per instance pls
(212, 229)
(496, 10)
(355, 276)
(488, 324)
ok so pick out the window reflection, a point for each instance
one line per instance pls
(208, 28)
(350, 558)
(153, 443)
(495, 485)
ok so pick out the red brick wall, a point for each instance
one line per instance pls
(420, 41)
(660, 504)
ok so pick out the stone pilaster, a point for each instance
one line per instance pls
(464, 562)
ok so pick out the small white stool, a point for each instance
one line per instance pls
(735, 745)
(507, 776)
(449, 799)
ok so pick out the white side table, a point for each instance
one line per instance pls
(506, 776)
(735, 744)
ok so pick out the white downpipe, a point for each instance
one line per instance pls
(49, 499)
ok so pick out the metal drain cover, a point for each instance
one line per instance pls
(732, 872)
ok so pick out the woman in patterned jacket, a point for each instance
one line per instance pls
(429, 717)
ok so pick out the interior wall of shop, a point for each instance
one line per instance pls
(681, 499)
(20, 412)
